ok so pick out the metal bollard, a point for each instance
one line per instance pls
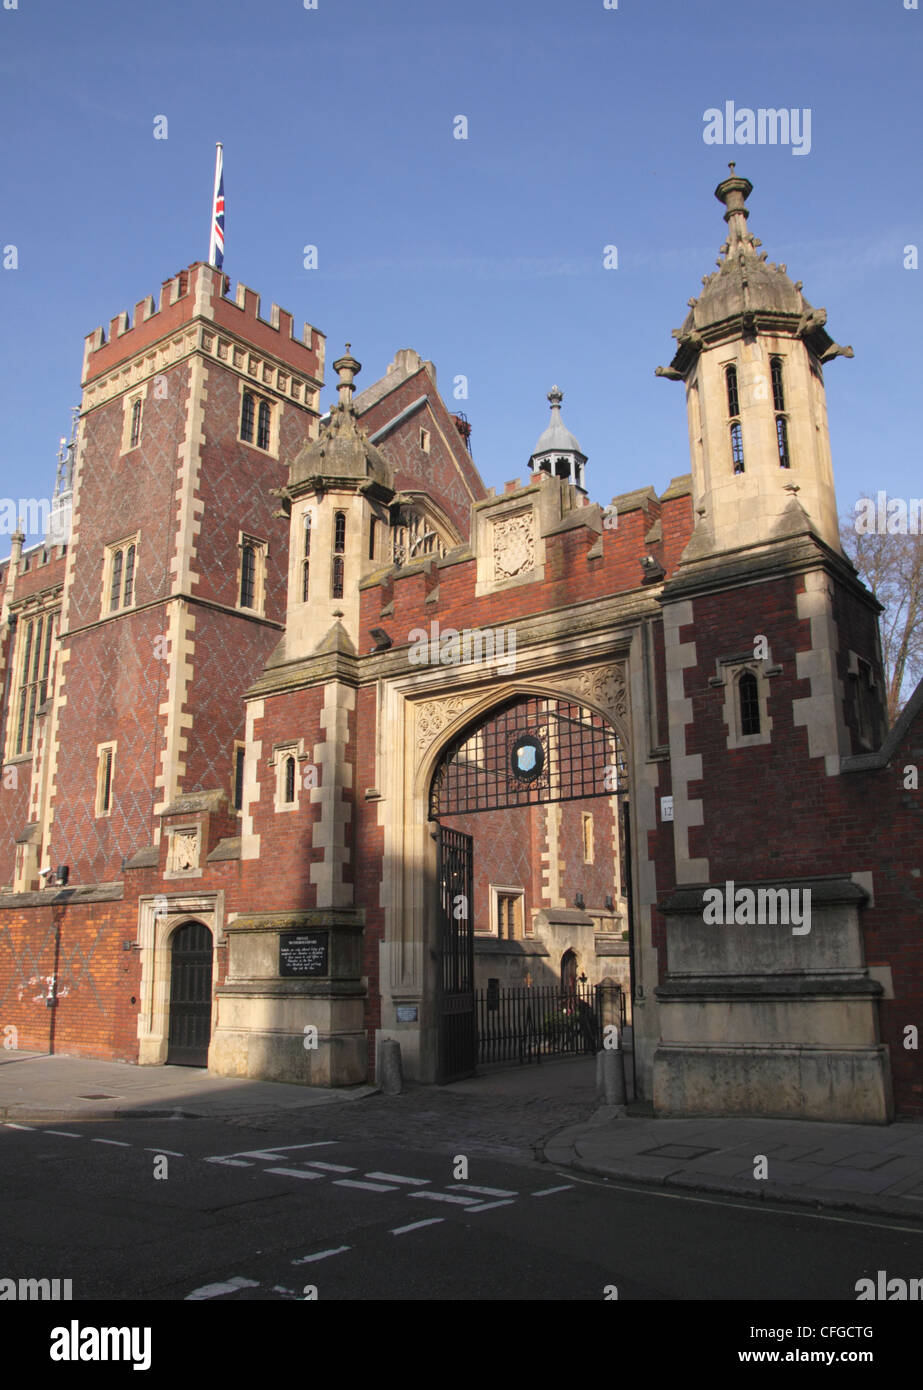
(390, 1073)
(610, 1076)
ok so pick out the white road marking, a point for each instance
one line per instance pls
(330, 1167)
(231, 1162)
(171, 1152)
(489, 1206)
(321, 1255)
(445, 1197)
(415, 1225)
(757, 1207)
(366, 1186)
(216, 1290)
(547, 1191)
(10, 1125)
(294, 1172)
(64, 1133)
(234, 1158)
(396, 1177)
(119, 1143)
(487, 1191)
(268, 1154)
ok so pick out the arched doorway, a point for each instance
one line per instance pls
(569, 973)
(528, 802)
(190, 995)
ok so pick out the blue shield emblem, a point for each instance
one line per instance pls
(525, 758)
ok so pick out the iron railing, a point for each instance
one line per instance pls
(526, 1025)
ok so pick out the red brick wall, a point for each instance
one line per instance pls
(98, 983)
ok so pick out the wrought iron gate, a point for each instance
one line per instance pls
(190, 996)
(456, 1009)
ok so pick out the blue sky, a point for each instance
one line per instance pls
(486, 255)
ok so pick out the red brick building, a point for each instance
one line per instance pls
(310, 739)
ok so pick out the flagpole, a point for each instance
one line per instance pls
(212, 245)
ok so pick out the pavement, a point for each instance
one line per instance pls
(549, 1112)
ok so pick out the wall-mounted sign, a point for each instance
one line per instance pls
(303, 953)
(666, 808)
(407, 1013)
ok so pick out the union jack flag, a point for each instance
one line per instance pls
(216, 242)
(218, 227)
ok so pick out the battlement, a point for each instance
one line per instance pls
(201, 291)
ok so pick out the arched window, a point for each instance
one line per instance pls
(748, 695)
(247, 412)
(778, 401)
(115, 592)
(135, 434)
(733, 397)
(262, 427)
(248, 577)
(782, 440)
(289, 780)
(339, 546)
(306, 561)
(737, 439)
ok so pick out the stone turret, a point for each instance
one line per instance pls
(751, 353)
(338, 494)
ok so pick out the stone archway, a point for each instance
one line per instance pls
(533, 770)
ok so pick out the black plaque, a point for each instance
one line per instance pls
(303, 953)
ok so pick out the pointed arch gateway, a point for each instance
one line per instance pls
(529, 751)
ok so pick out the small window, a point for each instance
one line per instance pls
(782, 440)
(251, 577)
(115, 592)
(256, 420)
(121, 568)
(248, 576)
(587, 838)
(507, 912)
(239, 761)
(128, 584)
(306, 561)
(507, 915)
(373, 530)
(104, 773)
(134, 436)
(262, 427)
(778, 393)
(733, 397)
(737, 447)
(284, 762)
(748, 695)
(339, 533)
(247, 415)
(424, 441)
(337, 584)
